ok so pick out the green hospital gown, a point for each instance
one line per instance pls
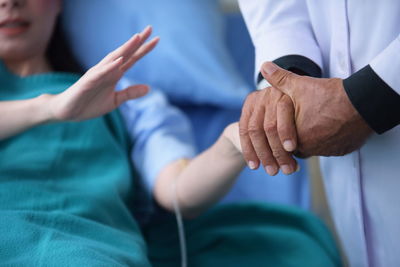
(245, 234)
(64, 188)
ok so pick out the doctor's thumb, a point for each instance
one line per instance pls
(278, 77)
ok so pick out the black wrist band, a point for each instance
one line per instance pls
(377, 102)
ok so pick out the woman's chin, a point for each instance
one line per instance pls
(17, 51)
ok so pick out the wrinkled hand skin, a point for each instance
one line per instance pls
(327, 123)
(262, 114)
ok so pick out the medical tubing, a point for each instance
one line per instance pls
(179, 222)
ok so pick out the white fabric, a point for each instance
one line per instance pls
(391, 55)
(342, 36)
(286, 21)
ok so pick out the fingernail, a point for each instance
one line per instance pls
(271, 170)
(287, 169)
(252, 165)
(269, 68)
(288, 145)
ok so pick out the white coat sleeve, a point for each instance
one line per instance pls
(280, 28)
(387, 65)
(375, 89)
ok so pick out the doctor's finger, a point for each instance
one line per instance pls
(286, 123)
(259, 139)
(285, 160)
(279, 78)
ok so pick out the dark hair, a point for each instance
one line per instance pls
(59, 53)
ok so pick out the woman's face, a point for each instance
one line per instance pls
(26, 27)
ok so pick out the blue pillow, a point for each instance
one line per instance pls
(192, 64)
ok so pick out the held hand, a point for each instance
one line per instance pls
(231, 133)
(327, 123)
(94, 94)
(263, 113)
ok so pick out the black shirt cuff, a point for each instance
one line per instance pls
(377, 102)
(297, 64)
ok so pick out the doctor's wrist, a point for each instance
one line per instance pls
(295, 63)
(374, 99)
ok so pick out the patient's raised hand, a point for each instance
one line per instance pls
(94, 94)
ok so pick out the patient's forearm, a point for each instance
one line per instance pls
(205, 179)
(18, 116)
(209, 177)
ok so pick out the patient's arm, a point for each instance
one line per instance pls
(91, 96)
(18, 116)
(202, 181)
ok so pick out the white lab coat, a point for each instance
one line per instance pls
(342, 36)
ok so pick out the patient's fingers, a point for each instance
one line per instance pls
(146, 32)
(106, 72)
(134, 42)
(131, 50)
(141, 52)
(129, 93)
(129, 47)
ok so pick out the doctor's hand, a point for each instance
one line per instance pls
(94, 94)
(267, 122)
(327, 123)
